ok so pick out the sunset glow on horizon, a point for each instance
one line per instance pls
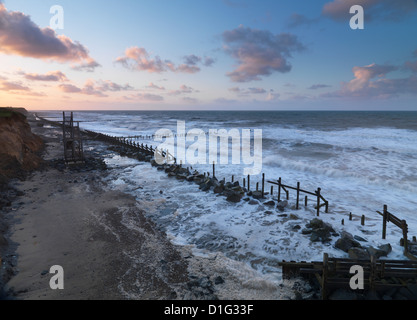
(208, 55)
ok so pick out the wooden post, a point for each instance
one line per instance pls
(248, 182)
(404, 226)
(350, 216)
(272, 191)
(372, 274)
(343, 222)
(384, 222)
(298, 195)
(257, 186)
(263, 185)
(214, 170)
(305, 201)
(233, 179)
(244, 183)
(318, 201)
(324, 276)
(279, 189)
(363, 220)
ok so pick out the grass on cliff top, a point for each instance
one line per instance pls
(8, 112)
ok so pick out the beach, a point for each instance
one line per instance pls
(105, 244)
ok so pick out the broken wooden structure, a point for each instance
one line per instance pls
(298, 189)
(73, 142)
(402, 224)
(335, 273)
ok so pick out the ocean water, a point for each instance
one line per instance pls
(360, 160)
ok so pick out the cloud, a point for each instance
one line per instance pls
(18, 88)
(136, 58)
(93, 88)
(145, 97)
(12, 86)
(297, 20)
(375, 9)
(108, 85)
(151, 85)
(208, 61)
(50, 76)
(69, 88)
(319, 86)
(371, 82)
(19, 35)
(89, 65)
(183, 89)
(259, 53)
(272, 96)
(190, 100)
(248, 91)
(411, 65)
(139, 59)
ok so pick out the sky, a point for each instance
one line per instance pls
(208, 55)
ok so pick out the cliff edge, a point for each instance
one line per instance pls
(19, 147)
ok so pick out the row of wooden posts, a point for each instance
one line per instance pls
(284, 188)
(246, 181)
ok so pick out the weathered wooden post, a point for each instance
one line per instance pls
(363, 220)
(214, 170)
(305, 201)
(244, 183)
(318, 201)
(279, 189)
(384, 222)
(350, 216)
(298, 195)
(272, 191)
(324, 276)
(404, 226)
(263, 185)
(248, 182)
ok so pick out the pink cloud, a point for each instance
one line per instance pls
(95, 88)
(151, 85)
(138, 59)
(19, 35)
(50, 76)
(12, 86)
(371, 82)
(69, 88)
(182, 90)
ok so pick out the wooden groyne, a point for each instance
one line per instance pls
(379, 276)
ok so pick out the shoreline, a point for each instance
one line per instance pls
(107, 247)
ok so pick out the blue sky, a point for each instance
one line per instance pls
(219, 54)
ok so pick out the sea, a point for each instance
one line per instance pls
(360, 160)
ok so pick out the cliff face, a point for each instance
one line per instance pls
(18, 145)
